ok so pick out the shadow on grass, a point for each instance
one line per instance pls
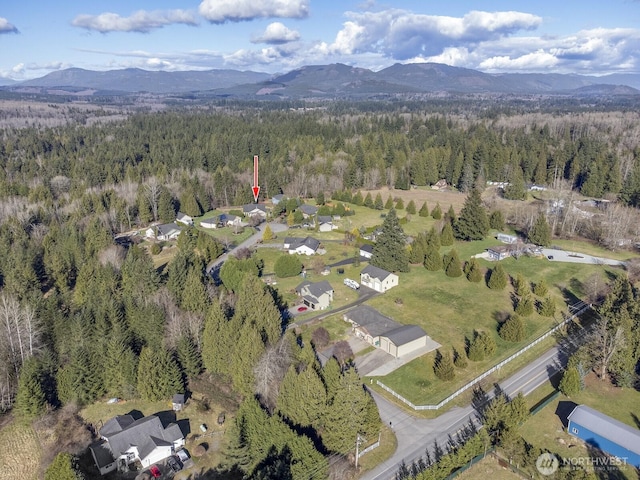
(563, 410)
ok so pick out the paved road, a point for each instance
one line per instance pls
(573, 257)
(416, 435)
(276, 227)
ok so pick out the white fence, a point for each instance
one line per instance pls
(370, 447)
(576, 309)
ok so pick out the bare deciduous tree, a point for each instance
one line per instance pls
(151, 191)
(270, 370)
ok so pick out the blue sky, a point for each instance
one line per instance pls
(564, 36)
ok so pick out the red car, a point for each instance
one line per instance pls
(155, 471)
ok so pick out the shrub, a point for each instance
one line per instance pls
(473, 271)
(548, 307)
(287, 266)
(460, 359)
(540, 288)
(443, 366)
(498, 278)
(482, 346)
(156, 248)
(570, 382)
(513, 330)
(452, 264)
(436, 213)
(411, 207)
(520, 285)
(525, 306)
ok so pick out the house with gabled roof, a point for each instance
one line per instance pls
(325, 223)
(378, 279)
(184, 218)
(384, 333)
(317, 296)
(255, 210)
(302, 246)
(308, 210)
(125, 440)
(276, 199)
(366, 251)
(165, 232)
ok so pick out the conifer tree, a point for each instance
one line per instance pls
(513, 329)
(452, 265)
(540, 232)
(411, 207)
(291, 219)
(302, 397)
(399, 204)
(516, 189)
(418, 249)
(450, 216)
(377, 203)
(446, 236)
(63, 467)
(368, 200)
(473, 271)
(525, 306)
(472, 223)
(570, 381)
(159, 376)
(120, 366)
(548, 307)
(432, 259)
(436, 213)
(331, 377)
(443, 366)
(256, 306)
(389, 251)
(388, 205)
(460, 358)
(433, 238)
(267, 235)
(541, 289)
(520, 285)
(79, 381)
(424, 210)
(496, 220)
(189, 357)
(194, 296)
(216, 340)
(497, 278)
(357, 199)
(246, 353)
(31, 398)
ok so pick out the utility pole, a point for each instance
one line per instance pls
(359, 439)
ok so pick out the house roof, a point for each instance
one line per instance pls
(308, 209)
(310, 242)
(178, 398)
(168, 228)
(254, 206)
(375, 272)
(138, 434)
(405, 334)
(278, 197)
(181, 215)
(101, 453)
(367, 248)
(607, 427)
(371, 320)
(116, 424)
(325, 219)
(316, 289)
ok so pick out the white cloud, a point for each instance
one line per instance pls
(277, 33)
(6, 26)
(535, 61)
(221, 11)
(141, 21)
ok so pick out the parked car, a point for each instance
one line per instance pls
(155, 471)
(182, 455)
(174, 464)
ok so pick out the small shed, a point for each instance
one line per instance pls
(178, 402)
(605, 433)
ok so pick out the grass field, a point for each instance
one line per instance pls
(488, 467)
(546, 430)
(20, 458)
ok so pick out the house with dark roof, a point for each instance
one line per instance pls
(325, 223)
(308, 210)
(385, 333)
(184, 218)
(302, 246)
(378, 279)
(317, 296)
(125, 440)
(255, 210)
(366, 251)
(166, 232)
(276, 199)
(605, 433)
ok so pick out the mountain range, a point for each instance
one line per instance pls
(326, 81)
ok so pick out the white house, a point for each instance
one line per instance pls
(209, 223)
(366, 251)
(184, 218)
(222, 220)
(317, 296)
(302, 246)
(255, 210)
(125, 440)
(325, 223)
(168, 231)
(378, 279)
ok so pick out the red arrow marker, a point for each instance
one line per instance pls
(256, 187)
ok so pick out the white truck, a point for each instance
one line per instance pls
(351, 283)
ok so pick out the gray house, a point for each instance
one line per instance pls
(308, 210)
(125, 440)
(378, 279)
(317, 296)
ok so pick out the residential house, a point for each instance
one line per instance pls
(302, 246)
(605, 433)
(500, 252)
(125, 440)
(378, 279)
(325, 223)
(317, 296)
(384, 333)
(184, 218)
(255, 210)
(308, 211)
(209, 223)
(166, 232)
(276, 199)
(506, 238)
(366, 251)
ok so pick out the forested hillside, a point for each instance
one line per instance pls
(83, 317)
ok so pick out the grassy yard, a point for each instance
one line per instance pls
(546, 430)
(488, 467)
(388, 445)
(20, 452)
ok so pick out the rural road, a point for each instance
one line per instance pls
(554, 255)
(415, 435)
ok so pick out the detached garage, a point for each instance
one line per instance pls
(605, 433)
(403, 340)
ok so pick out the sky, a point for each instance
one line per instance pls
(592, 37)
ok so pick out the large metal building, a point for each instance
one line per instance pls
(605, 433)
